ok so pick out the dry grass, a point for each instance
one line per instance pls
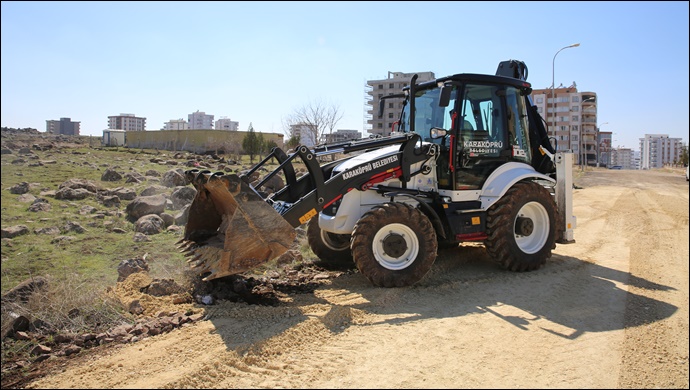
(80, 271)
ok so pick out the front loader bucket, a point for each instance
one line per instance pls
(231, 228)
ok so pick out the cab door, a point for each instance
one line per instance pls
(492, 131)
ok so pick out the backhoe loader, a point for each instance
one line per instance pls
(468, 160)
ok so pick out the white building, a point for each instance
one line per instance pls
(224, 123)
(199, 120)
(176, 124)
(127, 122)
(656, 150)
(305, 132)
(113, 137)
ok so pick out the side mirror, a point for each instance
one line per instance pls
(437, 132)
(444, 99)
(380, 108)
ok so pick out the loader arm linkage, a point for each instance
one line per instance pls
(233, 227)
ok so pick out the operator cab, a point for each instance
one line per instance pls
(485, 119)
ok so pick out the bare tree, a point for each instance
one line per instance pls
(314, 121)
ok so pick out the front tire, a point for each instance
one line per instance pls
(394, 245)
(521, 227)
(332, 249)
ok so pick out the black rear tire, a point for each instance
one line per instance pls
(521, 227)
(394, 245)
(332, 249)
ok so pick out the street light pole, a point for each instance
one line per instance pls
(553, 85)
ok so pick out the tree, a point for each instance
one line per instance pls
(314, 121)
(270, 144)
(292, 142)
(252, 143)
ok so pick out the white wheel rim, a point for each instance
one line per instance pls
(330, 244)
(534, 242)
(408, 256)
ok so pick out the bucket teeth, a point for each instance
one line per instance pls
(195, 260)
(185, 246)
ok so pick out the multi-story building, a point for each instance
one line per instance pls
(659, 149)
(341, 136)
(571, 117)
(376, 89)
(199, 121)
(604, 140)
(623, 157)
(127, 122)
(175, 124)
(224, 123)
(64, 126)
(305, 132)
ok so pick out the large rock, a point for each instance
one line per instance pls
(182, 196)
(124, 193)
(182, 217)
(40, 204)
(130, 266)
(145, 205)
(21, 188)
(80, 183)
(14, 231)
(111, 175)
(274, 184)
(73, 193)
(153, 190)
(23, 290)
(149, 224)
(163, 287)
(174, 178)
(111, 201)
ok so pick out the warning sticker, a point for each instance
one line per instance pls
(306, 217)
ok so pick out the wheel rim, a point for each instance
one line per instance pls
(531, 227)
(335, 242)
(395, 246)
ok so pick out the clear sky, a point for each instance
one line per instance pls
(259, 61)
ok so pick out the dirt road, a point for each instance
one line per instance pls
(610, 311)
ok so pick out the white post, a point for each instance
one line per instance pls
(564, 196)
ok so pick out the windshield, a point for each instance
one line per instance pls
(428, 114)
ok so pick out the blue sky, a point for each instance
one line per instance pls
(259, 61)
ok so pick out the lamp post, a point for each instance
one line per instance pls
(582, 130)
(599, 141)
(553, 84)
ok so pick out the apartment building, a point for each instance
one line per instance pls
(199, 120)
(305, 132)
(175, 124)
(126, 122)
(571, 117)
(604, 141)
(64, 126)
(225, 123)
(376, 89)
(659, 149)
(623, 157)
